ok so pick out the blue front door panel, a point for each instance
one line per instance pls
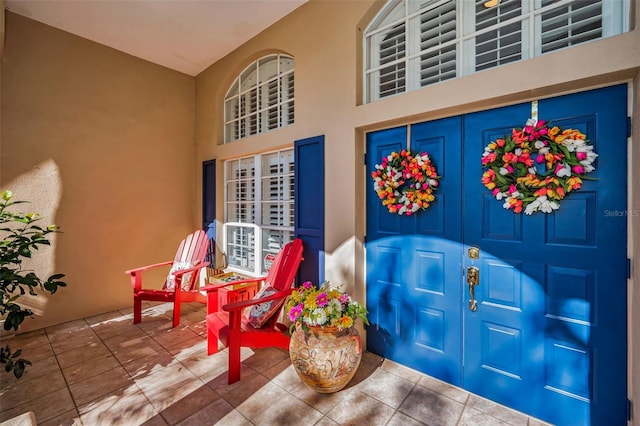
(549, 335)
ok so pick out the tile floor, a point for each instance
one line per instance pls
(104, 370)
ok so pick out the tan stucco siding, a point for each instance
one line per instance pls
(102, 144)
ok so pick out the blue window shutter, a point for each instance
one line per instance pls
(309, 206)
(209, 197)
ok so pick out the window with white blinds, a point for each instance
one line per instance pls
(411, 43)
(259, 201)
(260, 99)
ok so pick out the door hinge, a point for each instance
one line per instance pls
(629, 268)
(629, 410)
(629, 127)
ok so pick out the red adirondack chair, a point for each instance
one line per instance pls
(182, 281)
(235, 326)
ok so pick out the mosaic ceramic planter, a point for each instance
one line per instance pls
(325, 359)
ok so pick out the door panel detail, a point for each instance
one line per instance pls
(570, 294)
(499, 223)
(503, 284)
(568, 373)
(577, 226)
(430, 332)
(429, 266)
(501, 349)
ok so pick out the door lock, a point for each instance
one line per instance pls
(473, 252)
(473, 279)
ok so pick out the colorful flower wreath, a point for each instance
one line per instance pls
(537, 166)
(405, 183)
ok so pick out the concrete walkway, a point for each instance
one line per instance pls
(104, 370)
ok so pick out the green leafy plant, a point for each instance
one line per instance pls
(21, 236)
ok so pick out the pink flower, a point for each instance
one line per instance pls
(307, 285)
(578, 169)
(540, 159)
(512, 189)
(581, 155)
(322, 300)
(296, 311)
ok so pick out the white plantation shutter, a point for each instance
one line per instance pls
(499, 37)
(259, 201)
(261, 98)
(412, 44)
(277, 201)
(240, 190)
(438, 30)
(270, 113)
(570, 24)
(239, 212)
(240, 247)
(286, 107)
(392, 74)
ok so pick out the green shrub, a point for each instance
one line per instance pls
(21, 236)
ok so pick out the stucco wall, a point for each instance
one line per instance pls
(101, 143)
(328, 87)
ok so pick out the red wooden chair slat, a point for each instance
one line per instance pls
(230, 326)
(192, 249)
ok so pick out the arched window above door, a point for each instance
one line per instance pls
(412, 44)
(260, 99)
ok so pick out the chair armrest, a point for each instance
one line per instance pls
(136, 274)
(237, 306)
(144, 268)
(215, 287)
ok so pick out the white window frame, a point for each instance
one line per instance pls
(260, 249)
(406, 13)
(261, 98)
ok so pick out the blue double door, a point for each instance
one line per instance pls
(549, 334)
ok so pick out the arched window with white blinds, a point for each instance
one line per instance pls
(411, 44)
(260, 99)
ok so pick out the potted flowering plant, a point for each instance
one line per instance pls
(323, 307)
(325, 347)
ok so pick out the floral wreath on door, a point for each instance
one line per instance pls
(535, 167)
(406, 182)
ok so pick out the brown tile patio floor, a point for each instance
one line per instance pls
(104, 370)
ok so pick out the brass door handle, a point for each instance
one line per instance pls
(473, 279)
